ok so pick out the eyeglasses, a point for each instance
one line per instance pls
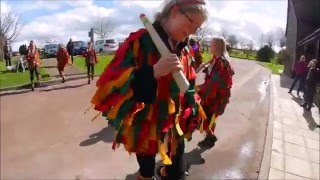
(193, 24)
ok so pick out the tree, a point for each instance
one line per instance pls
(224, 33)
(50, 40)
(242, 43)
(250, 45)
(282, 56)
(262, 40)
(203, 32)
(270, 38)
(233, 41)
(11, 26)
(265, 54)
(23, 50)
(281, 37)
(103, 27)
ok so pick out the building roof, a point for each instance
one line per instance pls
(307, 10)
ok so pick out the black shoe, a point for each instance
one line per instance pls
(89, 81)
(159, 173)
(209, 141)
(303, 105)
(289, 92)
(63, 80)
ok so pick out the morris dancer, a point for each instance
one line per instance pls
(138, 95)
(216, 89)
(34, 61)
(63, 60)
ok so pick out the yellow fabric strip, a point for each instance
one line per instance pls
(165, 159)
(213, 119)
(179, 130)
(112, 114)
(105, 90)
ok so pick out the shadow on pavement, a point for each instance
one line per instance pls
(106, 135)
(132, 176)
(63, 87)
(306, 114)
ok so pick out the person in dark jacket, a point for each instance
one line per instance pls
(7, 53)
(70, 49)
(311, 83)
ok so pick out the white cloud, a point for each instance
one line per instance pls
(5, 8)
(246, 19)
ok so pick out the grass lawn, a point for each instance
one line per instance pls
(8, 79)
(275, 68)
(103, 59)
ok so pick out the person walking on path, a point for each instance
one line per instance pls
(91, 59)
(300, 70)
(34, 61)
(70, 48)
(63, 59)
(311, 83)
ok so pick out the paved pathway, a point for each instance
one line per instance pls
(295, 147)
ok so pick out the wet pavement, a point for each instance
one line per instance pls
(45, 135)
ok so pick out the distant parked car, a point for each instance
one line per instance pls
(51, 50)
(79, 47)
(107, 46)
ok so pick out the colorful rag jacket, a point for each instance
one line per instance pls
(216, 89)
(33, 57)
(62, 58)
(90, 56)
(141, 108)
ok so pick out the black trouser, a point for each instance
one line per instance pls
(310, 91)
(71, 58)
(8, 61)
(301, 80)
(33, 71)
(174, 172)
(90, 70)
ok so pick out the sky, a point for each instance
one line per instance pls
(61, 20)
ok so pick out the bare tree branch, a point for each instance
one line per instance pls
(11, 26)
(270, 38)
(232, 40)
(203, 32)
(103, 27)
(281, 38)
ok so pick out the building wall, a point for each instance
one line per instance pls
(291, 39)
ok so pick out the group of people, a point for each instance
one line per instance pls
(308, 75)
(63, 59)
(140, 98)
(64, 54)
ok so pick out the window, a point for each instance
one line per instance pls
(110, 41)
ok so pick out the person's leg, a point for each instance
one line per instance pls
(9, 59)
(32, 77)
(294, 83)
(146, 165)
(37, 74)
(301, 84)
(72, 58)
(92, 71)
(177, 170)
(312, 91)
(88, 73)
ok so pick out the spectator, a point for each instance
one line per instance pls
(300, 71)
(63, 59)
(70, 49)
(7, 50)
